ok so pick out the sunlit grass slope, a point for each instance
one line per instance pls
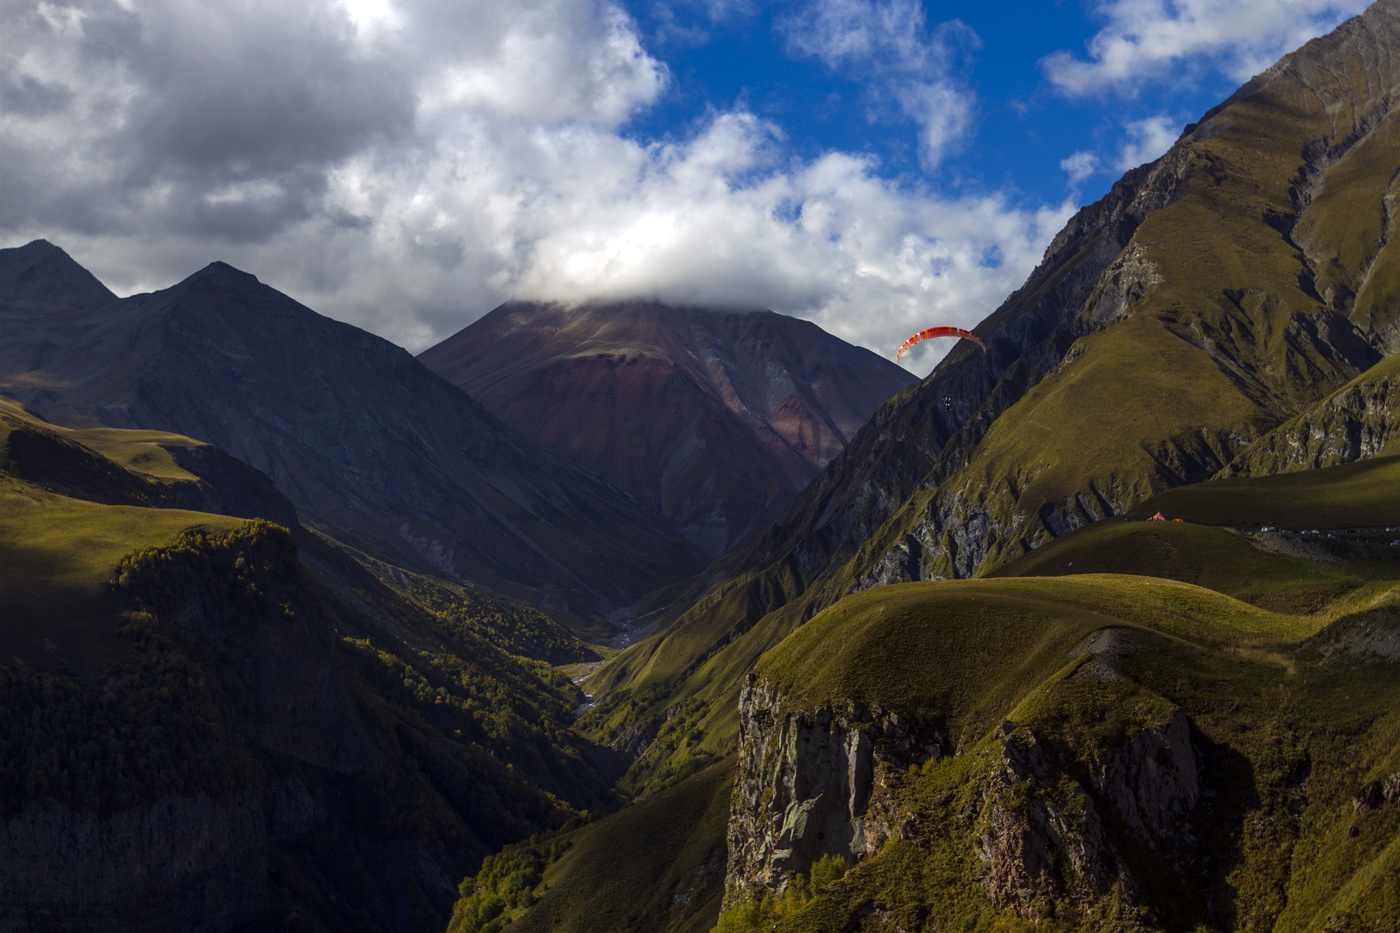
(1364, 494)
(969, 650)
(56, 557)
(1216, 558)
(58, 553)
(710, 649)
(140, 451)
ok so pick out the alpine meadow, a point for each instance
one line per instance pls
(644, 614)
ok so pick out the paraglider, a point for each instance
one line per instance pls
(939, 332)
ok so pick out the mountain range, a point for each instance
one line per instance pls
(1107, 640)
(365, 441)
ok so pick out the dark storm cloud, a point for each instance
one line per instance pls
(23, 95)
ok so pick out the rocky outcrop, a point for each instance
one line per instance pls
(1355, 424)
(1041, 834)
(1152, 783)
(811, 784)
(1038, 836)
(1385, 792)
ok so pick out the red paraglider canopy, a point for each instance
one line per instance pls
(939, 332)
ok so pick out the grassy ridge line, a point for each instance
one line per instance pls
(1363, 494)
(136, 450)
(970, 649)
(57, 553)
(1288, 735)
(1219, 559)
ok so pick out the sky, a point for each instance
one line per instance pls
(876, 166)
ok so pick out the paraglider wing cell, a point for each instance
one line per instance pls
(939, 332)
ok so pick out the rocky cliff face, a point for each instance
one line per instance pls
(1354, 424)
(805, 783)
(812, 783)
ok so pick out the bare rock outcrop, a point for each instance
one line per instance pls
(1041, 834)
(1352, 425)
(806, 785)
(1049, 830)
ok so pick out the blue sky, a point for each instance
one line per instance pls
(406, 165)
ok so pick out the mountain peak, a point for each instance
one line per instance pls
(223, 273)
(712, 419)
(40, 274)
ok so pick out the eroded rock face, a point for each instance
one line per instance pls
(1042, 834)
(1039, 836)
(810, 785)
(1153, 784)
(813, 783)
(1352, 425)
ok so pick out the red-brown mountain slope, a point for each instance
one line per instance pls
(712, 420)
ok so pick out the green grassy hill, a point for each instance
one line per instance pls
(57, 552)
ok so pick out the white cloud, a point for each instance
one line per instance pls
(1080, 166)
(410, 166)
(888, 45)
(1145, 38)
(547, 62)
(1148, 139)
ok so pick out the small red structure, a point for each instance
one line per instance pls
(1157, 518)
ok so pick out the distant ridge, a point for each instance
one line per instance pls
(712, 420)
(364, 439)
